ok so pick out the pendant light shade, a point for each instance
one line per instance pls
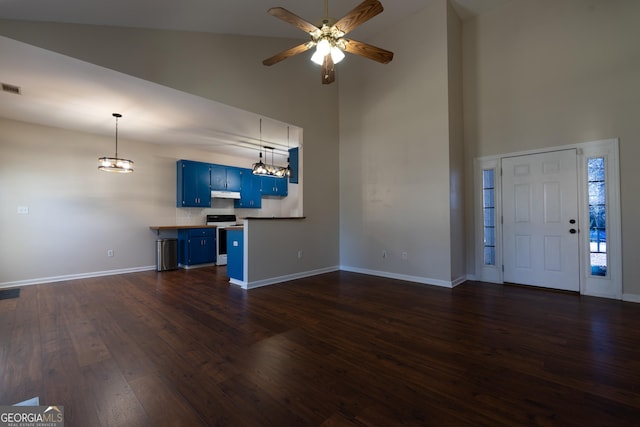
(115, 164)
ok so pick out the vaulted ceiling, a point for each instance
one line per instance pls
(63, 82)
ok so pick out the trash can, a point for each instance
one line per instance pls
(167, 254)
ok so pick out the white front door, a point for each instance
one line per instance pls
(540, 220)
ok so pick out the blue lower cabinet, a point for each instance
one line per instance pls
(197, 246)
(235, 254)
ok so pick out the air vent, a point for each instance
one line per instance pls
(10, 88)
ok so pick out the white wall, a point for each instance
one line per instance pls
(394, 154)
(547, 73)
(223, 68)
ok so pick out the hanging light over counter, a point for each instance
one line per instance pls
(115, 164)
(264, 169)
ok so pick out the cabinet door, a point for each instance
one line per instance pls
(218, 177)
(249, 191)
(294, 160)
(193, 184)
(225, 178)
(235, 254)
(197, 246)
(234, 178)
(203, 250)
(274, 186)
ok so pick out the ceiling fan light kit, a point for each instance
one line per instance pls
(115, 164)
(328, 39)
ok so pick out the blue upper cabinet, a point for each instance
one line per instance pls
(293, 163)
(225, 178)
(234, 178)
(250, 196)
(272, 186)
(193, 184)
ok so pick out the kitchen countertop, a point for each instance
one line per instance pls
(179, 227)
(234, 227)
(275, 217)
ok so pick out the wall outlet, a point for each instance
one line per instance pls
(405, 256)
(109, 252)
(23, 210)
(299, 253)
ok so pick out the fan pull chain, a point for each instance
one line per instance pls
(326, 8)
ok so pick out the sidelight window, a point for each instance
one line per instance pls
(489, 215)
(597, 216)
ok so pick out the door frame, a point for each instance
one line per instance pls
(609, 286)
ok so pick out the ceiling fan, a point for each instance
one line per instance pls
(328, 38)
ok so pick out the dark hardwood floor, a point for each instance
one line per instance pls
(185, 348)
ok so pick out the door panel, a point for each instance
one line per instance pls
(540, 197)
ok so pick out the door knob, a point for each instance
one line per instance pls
(572, 221)
(573, 231)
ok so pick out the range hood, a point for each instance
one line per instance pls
(218, 194)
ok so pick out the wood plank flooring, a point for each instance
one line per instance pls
(185, 348)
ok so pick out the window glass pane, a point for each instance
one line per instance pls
(488, 216)
(488, 198)
(489, 236)
(489, 256)
(487, 178)
(489, 220)
(596, 169)
(597, 217)
(596, 193)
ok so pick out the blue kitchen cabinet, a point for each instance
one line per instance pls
(225, 178)
(193, 184)
(250, 196)
(235, 253)
(294, 160)
(272, 186)
(197, 246)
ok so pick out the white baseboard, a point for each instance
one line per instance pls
(66, 277)
(286, 278)
(405, 277)
(631, 298)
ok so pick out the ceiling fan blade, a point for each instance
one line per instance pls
(360, 14)
(328, 70)
(292, 18)
(287, 53)
(368, 51)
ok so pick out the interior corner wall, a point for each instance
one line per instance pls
(394, 153)
(223, 68)
(548, 73)
(456, 146)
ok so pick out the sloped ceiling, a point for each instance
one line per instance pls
(55, 87)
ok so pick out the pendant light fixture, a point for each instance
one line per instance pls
(115, 164)
(260, 168)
